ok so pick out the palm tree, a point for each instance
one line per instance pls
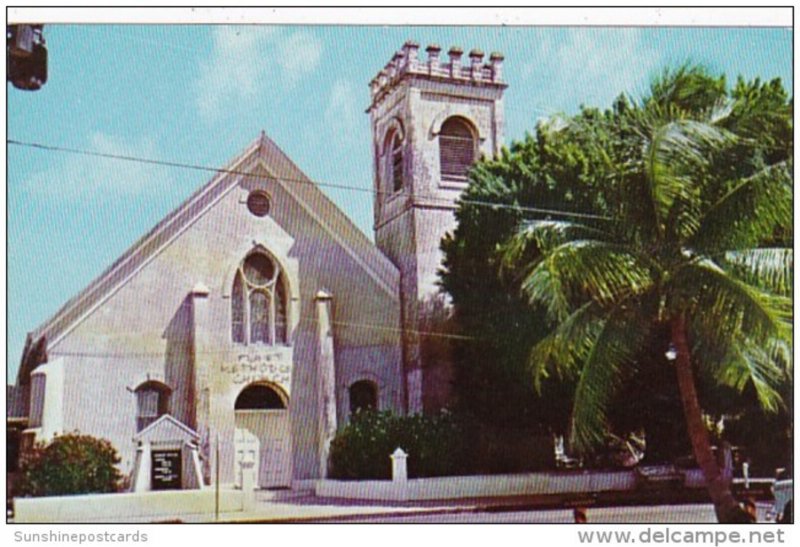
(687, 250)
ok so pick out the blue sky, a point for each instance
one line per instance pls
(199, 94)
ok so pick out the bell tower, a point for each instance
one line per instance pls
(431, 119)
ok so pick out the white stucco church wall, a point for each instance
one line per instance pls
(251, 313)
(155, 325)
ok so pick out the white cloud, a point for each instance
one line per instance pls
(298, 55)
(342, 108)
(621, 59)
(81, 177)
(592, 66)
(245, 60)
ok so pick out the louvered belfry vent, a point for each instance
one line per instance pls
(456, 149)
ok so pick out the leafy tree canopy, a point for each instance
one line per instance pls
(585, 175)
(70, 464)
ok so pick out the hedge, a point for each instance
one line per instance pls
(70, 464)
(437, 445)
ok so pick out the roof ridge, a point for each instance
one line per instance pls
(351, 226)
(139, 243)
(353, 240)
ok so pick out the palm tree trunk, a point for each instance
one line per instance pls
(725, 505)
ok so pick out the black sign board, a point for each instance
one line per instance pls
(165, 473)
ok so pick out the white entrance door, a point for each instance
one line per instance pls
(266, 432)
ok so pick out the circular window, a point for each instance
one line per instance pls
(258, 203)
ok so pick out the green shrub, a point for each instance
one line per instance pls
(434, 445)
(509, 449)
(70, 464)
(438, 445)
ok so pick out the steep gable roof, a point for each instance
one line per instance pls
(264, 153)
(166, 428)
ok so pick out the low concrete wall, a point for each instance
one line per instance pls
(119, 507)
(479, 486)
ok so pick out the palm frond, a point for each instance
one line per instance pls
(687, 143)
(781, 353)
(610, 362)
(771, 269)
(585, 269)
(739, 362)
(720, 111)
(684, 219)
(755, 207)
(546, 235)
(758, 365)
(665, 186)
(685, 90)
(676, 151)
(735, 308)
(563, 350)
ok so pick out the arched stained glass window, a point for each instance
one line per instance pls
(237, 310)
(259, 317)
(258, 270)
(258, 302)
(280, 314)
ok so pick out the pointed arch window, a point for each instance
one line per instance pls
(258, 302)
(457, 150)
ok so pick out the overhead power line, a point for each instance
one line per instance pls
(225, 351)
(211, 169)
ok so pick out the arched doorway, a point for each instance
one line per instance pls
(263, 434)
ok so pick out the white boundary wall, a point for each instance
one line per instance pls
(479, 486)
(100, 508)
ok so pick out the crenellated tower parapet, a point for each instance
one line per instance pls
(407, 62)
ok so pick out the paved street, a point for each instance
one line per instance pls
(666, 514)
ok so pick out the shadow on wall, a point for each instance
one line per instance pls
(179, 363)
(437, 328)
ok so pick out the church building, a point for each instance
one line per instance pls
(249, 323)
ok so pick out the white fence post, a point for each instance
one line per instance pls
(399, 467)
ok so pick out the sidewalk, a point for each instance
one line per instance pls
(300, 507)
(305, 507)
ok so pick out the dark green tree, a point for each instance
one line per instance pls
(692, 253)
(552, 170)
(70, 464)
